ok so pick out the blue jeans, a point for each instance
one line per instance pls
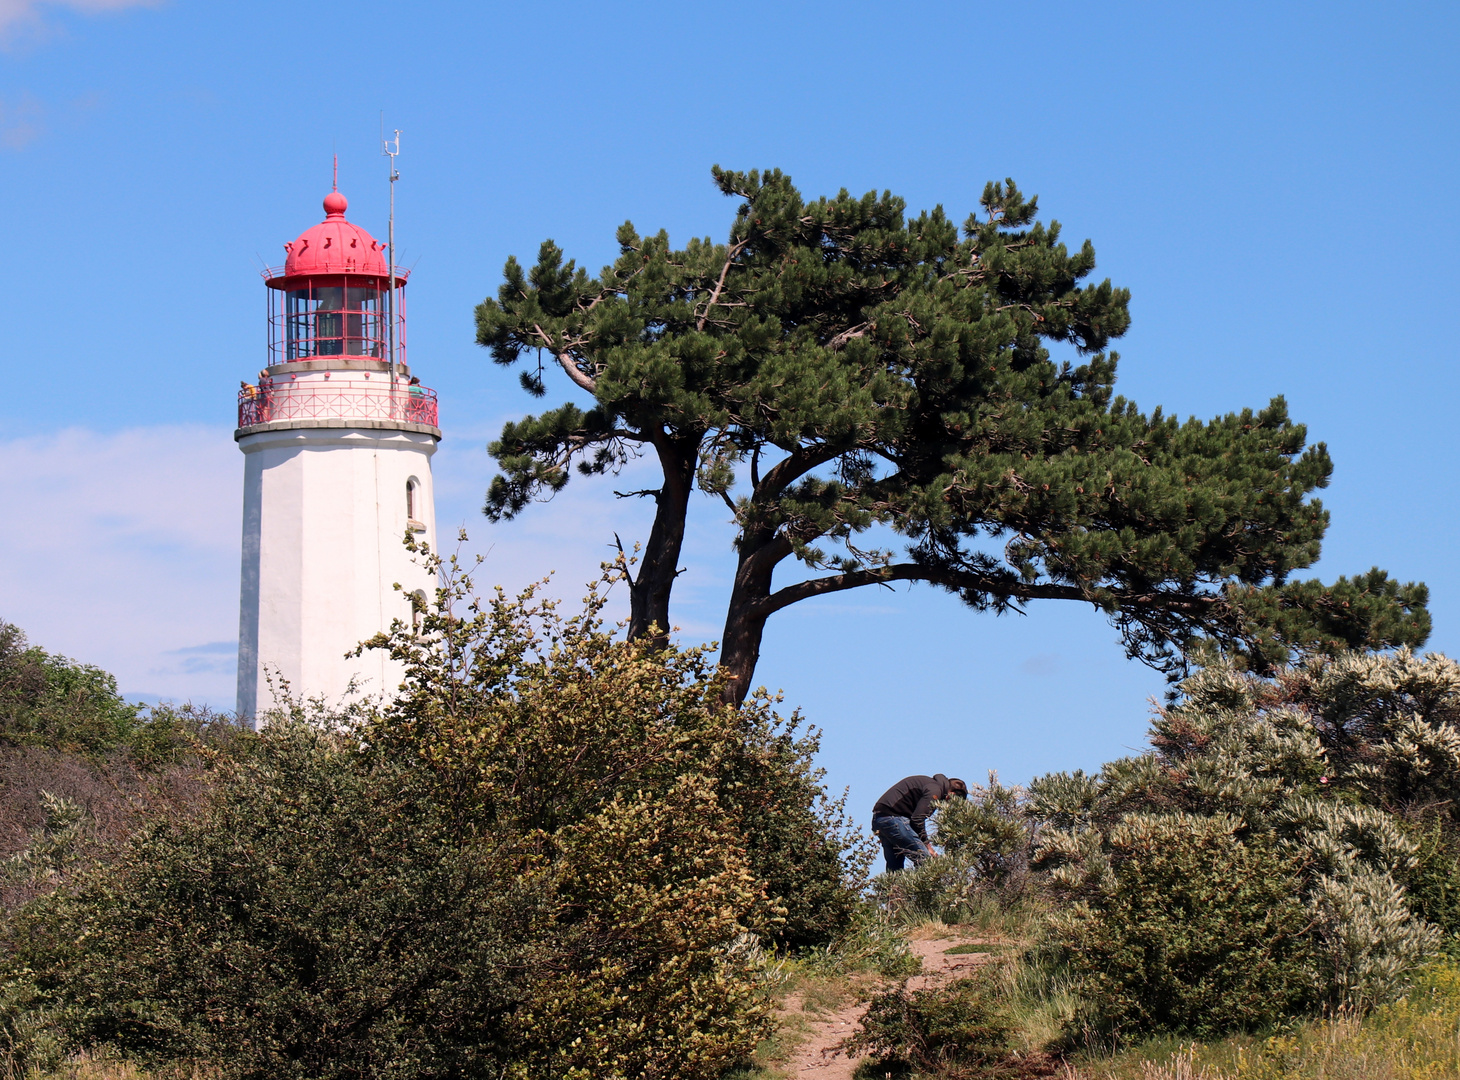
(899, 842)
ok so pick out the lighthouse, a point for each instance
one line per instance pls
(337, 437)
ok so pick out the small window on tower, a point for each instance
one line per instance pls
(413, 521)
(418, 610)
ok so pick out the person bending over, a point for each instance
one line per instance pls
(900, 818)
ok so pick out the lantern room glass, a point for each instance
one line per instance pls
(334, 320)
(336, 316)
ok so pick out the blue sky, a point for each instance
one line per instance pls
(1274, 182)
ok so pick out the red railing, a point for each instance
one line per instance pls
(316, 401)
(275, 273)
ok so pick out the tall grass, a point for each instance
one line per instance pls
(1416, 1038)
(88, 1068)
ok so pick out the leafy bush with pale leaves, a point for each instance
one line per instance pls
(1328, 776)
(538, 862)
(1187, 928)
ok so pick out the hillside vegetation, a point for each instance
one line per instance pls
(559, 854)
(80, 767)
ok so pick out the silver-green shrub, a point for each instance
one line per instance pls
(1328, 774)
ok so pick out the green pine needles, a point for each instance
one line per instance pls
(836, 367)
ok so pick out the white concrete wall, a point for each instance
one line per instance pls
(324, 514)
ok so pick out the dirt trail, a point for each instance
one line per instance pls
(814, 1057)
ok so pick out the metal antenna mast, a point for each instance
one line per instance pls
(391, 149)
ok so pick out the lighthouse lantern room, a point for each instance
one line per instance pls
(337, 437)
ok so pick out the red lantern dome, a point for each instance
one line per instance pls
(334, 246)
(329, 299)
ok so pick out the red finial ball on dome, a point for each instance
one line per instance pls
(334, 246)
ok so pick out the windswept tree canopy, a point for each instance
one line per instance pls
(836, 366)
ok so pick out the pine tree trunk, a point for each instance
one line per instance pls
(746, 616)
(659, 565)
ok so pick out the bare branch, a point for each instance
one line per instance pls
(587, 382)
(623, 558)
(851, 332)
(735, 249)
(998, 586)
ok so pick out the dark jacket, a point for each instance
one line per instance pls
(912, 797)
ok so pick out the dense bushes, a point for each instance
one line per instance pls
(1192, 930)
(1313, 799)
(319, 919)
(1288, 846)
(555, 855)
(54, 702)
(513, 709)
(800, 844)
(952, 1031)
(558, 854)
(80, 768)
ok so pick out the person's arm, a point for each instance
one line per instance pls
(920, 815)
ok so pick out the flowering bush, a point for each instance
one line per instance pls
(1305, 794)
(538, 862)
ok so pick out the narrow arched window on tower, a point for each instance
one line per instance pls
(418, 610)
(413, 521)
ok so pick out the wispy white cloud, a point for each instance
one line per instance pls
(122, 549)
(213, 657)
(20, 121)
(1042, 665)
(15, 13)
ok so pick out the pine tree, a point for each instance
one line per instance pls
(837, 366)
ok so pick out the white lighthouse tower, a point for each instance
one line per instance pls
(337, 440)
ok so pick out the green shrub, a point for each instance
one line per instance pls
(1186, 928)
(952, 1031)
(945, 888)
(538, 862)
(318, 920)
(1258, 761)
(57, 703)
(871, 943)
(51, 703)
(1433, 886)
(990, 829)
(54, 847)
(800, 843)
(469, 679)
(80, 768)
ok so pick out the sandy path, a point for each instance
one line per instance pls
(814, 1056)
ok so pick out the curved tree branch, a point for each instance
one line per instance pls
(1006, 588)
(587, 382)
(790, 468)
